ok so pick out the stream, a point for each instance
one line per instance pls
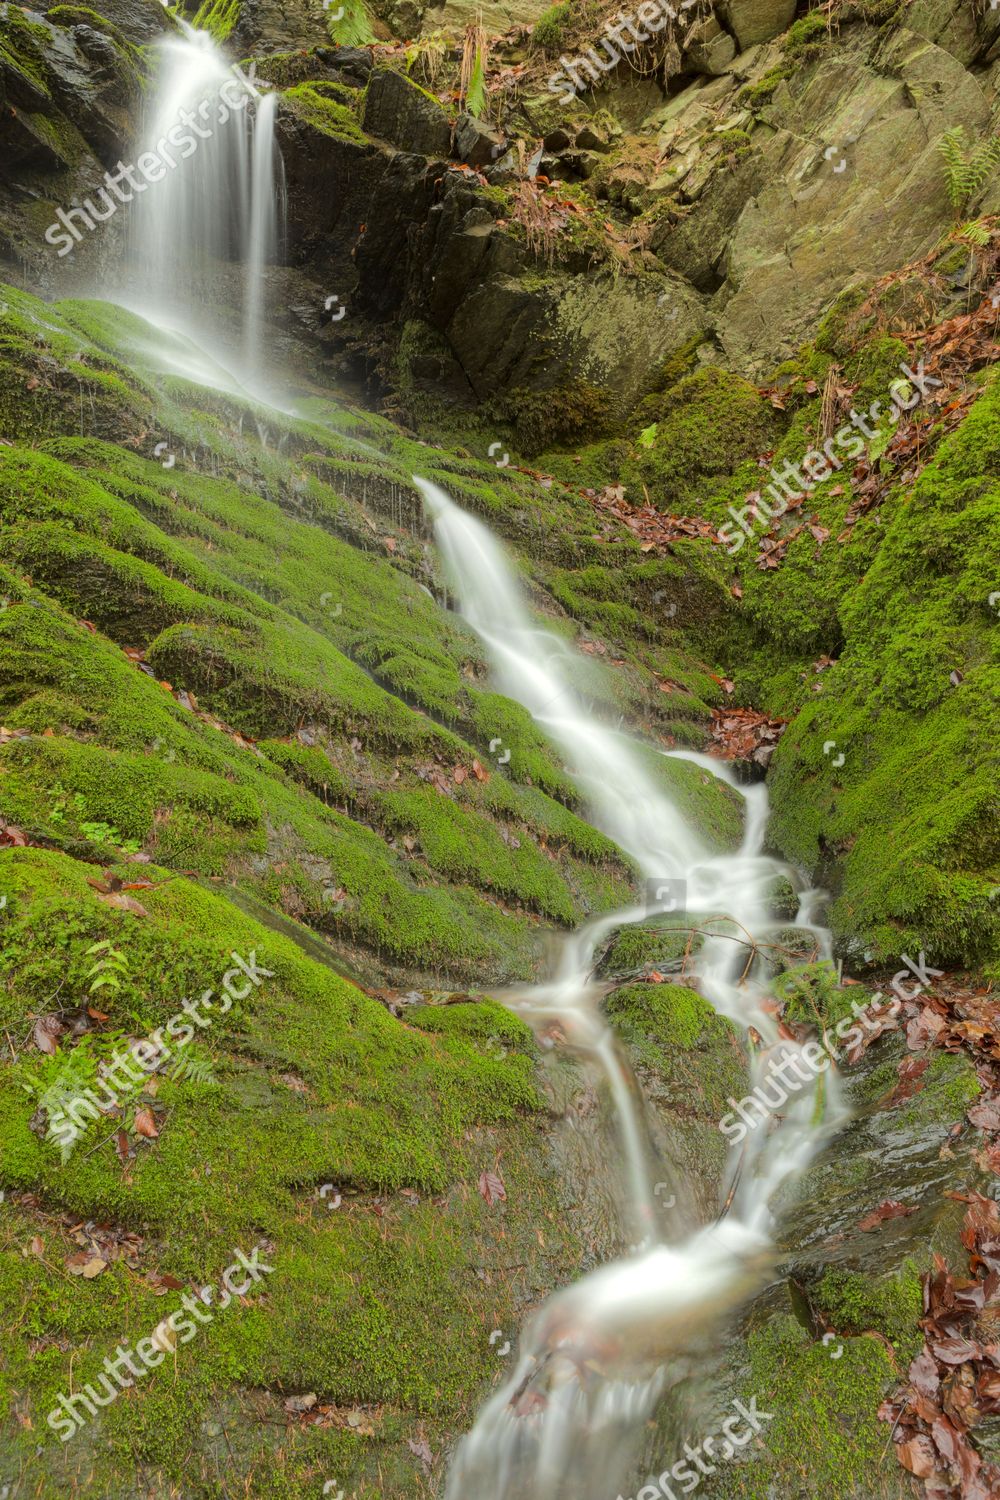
(598, 1357)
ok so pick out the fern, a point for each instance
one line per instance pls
(61, 1081)
(967, 167)
(475, 57)
(976, 232)
(110, 968)
(190, 1068)
(349, 23)
(64, 1079)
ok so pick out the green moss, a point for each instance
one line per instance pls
(329, 108)
(366, 1309)
(22, 49)
(563, 414)
(833, 1400)
(551, 27)
(706, 425)
(635, 949)
(802, 36)
(950, 1086)
(912, 815)
(218, 17)
(755, 95)
(735, 143)
(855, 1304)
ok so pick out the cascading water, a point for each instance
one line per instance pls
(594, 1358)
(218, 208)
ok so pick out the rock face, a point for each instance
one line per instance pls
(70, 88)
(753, 21)
(751, 189)
(398, 111)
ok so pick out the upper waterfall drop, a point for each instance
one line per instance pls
(217, 214)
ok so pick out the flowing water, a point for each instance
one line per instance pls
(217, 212)
(597, 1356)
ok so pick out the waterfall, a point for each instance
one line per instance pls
(595, 1358)
(262, 241)
(203, 233)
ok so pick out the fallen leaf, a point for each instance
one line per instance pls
(47, 1032)
(296, 1404)
(917, 1456)
(492, 1188)
(164, 1337)
(123, 903)
(421, 1449)
(985, 1115)
(145, 1124)
(86, 1265)
(890, 1209)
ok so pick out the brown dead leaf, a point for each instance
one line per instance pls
(48, 1030)
(890, 1209)
(492, 1188)
(144, 1124)
(298, 1404)
(123, 902)
(84, 1264)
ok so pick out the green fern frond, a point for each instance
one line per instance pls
(975, 232)
(349, 23)
(475, 58)
(967, 168)
(190, 1068)
(475, 99)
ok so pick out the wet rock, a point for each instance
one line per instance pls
(353, 63)
(477, 143)
(753, 21)
(588, 139)
(709, 49)
(397, 111)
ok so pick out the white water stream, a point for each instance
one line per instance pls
(597, 1356)
(207, 230)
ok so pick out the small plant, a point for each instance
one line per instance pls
(110, 968)
(967, 166)
(976, 232)
(190, 1068)
(60, 1081)
(65, 1081)
(550, 29)
(427, 57)
(74, 805)
(349, 23)
(475, 58)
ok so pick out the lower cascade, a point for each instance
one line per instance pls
(596, 1358)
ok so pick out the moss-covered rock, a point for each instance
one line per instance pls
(372, 1306)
